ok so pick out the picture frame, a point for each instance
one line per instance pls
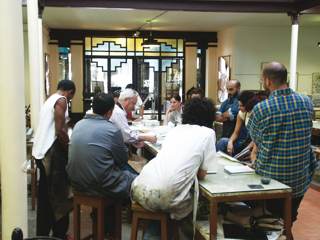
(224, 75)
(315, 83)
(46, 76)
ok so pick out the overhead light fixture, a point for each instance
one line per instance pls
(150, 42)
(136, 33)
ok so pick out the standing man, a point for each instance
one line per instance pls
(126, 103)
(50, 149)
(281, 129)
(229, 109)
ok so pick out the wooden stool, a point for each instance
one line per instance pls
(98, 204)
(138, 213)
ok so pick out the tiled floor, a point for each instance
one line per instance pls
(307, 227)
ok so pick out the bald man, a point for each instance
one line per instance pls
(281, 129)
(228, 111)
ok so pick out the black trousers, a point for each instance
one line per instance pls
(45, 216)
(276, 206)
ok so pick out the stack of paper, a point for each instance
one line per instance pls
(231, 169)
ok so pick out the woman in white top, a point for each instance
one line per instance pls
(247, 100)
(174, 113)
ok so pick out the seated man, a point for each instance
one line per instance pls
(165, 182)
(228, 111)
(97, 154)
(126, 103)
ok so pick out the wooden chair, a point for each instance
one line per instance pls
(139, 213)
(98, 204)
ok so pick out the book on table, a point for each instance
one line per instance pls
(238, 169)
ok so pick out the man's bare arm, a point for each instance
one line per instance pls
(59, 119)
(201, 174)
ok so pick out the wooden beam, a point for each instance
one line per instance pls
(66, 35)
(184, 5)
(306, 5)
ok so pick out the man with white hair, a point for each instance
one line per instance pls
(126, 103)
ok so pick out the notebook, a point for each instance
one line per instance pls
(231, 169)
(226, 156)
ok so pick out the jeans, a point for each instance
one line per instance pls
(128, 168)
(222, 145)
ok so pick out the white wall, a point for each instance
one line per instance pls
(250, 46)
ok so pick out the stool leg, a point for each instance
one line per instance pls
(76, 221)
(175, 229)
(164, 228)
(118, 214)
(94, 224)
(134, 226)
(100, 220)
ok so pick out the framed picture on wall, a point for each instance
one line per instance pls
(46, 75)
(224, 75)
(315, 83)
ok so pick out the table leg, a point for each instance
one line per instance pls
(287, 217)
(213, 219)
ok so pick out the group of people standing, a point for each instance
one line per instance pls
(95, 160)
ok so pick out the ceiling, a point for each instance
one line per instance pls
(129, 19)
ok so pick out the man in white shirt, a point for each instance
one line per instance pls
(165, 183)
(50, 149)
(126, 103)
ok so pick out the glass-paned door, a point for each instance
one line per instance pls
(156, 72)
(158, 81)
(148, 84)
(171, 74)
(99, 75)
(121, 73)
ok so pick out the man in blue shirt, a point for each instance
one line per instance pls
(227, 114)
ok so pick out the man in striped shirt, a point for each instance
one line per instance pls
(281, 129)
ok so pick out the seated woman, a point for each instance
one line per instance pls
(239, 138)
(240, 135)
(174, 112)
(165, 183)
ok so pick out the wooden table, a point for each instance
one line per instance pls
(223, 187)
